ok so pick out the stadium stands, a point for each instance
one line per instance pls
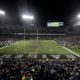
(18, 28)
(6, 42)
(29, 69)
(69, 40)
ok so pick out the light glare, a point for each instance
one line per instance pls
(2, 12)
(27, 17)
(78, 15)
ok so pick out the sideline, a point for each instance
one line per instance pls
(8, 45)
(71, 51)
(5, 46)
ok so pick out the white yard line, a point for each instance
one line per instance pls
(71, 51)
(8, 45)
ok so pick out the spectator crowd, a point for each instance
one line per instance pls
(69, 41)
(6, 42)
(31, 69)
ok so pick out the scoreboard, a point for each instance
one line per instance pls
(55, 24)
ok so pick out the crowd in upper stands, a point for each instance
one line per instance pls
(14, 27)
(29, 69)
(6, 42)
(69, 41)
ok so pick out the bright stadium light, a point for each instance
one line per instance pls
(78, 16)
(2, 12)
(27, 17)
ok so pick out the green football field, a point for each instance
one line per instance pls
(34, 47)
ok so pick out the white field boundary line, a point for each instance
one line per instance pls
(71, 51)
(31, 53)
(9, 45)
(16, 52)
(4, 47)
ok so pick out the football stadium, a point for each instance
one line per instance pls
(39, 41)
(40, 45)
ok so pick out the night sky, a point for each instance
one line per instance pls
(43, 10)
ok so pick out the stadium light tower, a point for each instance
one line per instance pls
(2, 12)
(78, 16)
(26, 18)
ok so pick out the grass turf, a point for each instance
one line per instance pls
(31, 46)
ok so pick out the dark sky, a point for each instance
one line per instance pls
(43, 10)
